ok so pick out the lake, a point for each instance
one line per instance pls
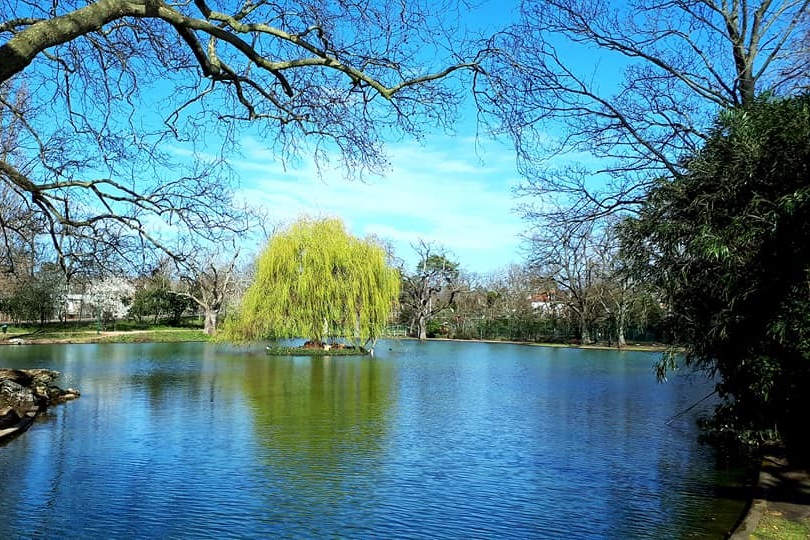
(424, 440)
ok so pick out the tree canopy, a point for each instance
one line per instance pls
(317, 281)
(728, 245)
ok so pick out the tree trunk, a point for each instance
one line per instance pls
(585, 333)
(211, 316)
(421, 324)
(620, 322)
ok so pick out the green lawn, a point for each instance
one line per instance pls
(88, 332)
(774, 526)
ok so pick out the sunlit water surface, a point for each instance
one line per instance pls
(425, 440)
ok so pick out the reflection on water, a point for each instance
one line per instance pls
(321, 422)
(425, 440)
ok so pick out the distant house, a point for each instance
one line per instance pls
(73, 305)
(546, 303)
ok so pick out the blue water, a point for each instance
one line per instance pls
(425, 440)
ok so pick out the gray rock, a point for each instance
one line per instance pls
(8, 417)
(26, 392)
(16, 395)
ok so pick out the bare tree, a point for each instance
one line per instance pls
(209, 279)
(615, 289)
(509, 296)
(799, 52)
(431, 288)
(18, 227)
(602, 97)
(129, 92)
(568, 256)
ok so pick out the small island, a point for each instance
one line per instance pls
(316, 348)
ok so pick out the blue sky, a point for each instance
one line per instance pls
(453, 191)
(448, 191)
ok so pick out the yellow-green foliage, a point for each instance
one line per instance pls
(315, 280)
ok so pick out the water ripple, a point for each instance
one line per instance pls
(437, 440)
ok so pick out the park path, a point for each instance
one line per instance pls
(781, 506)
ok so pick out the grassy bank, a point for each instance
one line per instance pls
(774, 525)
(89, 332)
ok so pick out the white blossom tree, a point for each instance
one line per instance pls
(111, 298)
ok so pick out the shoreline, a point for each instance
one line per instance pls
(111, 336)
(655, 347)
(779, 506)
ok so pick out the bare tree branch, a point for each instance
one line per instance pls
(140, 105)
(658, 72)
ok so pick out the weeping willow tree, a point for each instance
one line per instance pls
(316, 281)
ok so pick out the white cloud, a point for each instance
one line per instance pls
(443, 193)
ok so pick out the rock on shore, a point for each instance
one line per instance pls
(24, 393)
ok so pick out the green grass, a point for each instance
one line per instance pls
(774, 526)
(173, 335)
(88, 332)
